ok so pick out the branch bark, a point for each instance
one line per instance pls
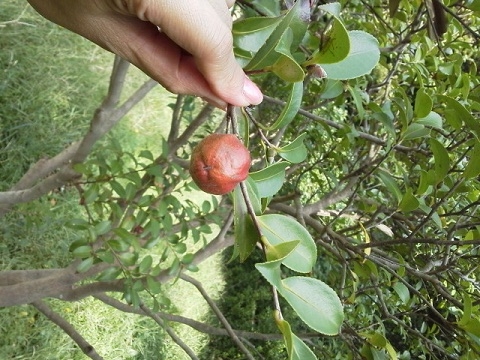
(54, 317)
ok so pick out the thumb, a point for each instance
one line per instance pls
(226, 78)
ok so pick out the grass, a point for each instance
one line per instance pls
(51, 83)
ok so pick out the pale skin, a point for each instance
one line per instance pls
(192, 53)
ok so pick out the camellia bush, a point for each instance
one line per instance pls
(362, 194)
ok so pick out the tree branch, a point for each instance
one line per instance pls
(54, 317)
(219, 315)
(176, 339)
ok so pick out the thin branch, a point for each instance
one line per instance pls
(219, 315)
(338, 126)
(176, 339)
(197, 325)
(201, 118)
(54, 317)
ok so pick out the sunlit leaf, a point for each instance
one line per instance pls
(291, 107)
(286, 67)
(315, 303)
(270, 179)
(362, 58)
(336, 42)
(246, 235)
(296, 151)
(280, 229)
(266, 55)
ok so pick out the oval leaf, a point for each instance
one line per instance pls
(291, 107)
(296, 151)
(270, 179)
(315, 303)
(363, 56)
(281, 229)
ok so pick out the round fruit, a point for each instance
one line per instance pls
(219, 162)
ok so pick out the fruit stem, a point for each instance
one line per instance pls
(232, 119)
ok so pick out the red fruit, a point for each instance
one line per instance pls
(219, 162)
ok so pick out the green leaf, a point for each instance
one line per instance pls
(296, 151)
(415, 131)
(336, 47)
(251, 33)
(110, 274)
(128, 258)
(296, 348)
(462, 113)
(442, 160)
(473, 167)
(300, 351)
(362, 58)
(153, 285)
(391, 185)
(270, 179)
(291, 107)
(423, 104)
(409, 202)
(268, 7)
(467, 311)
(246, 235)
(266, 56)
(103, 227)
(286, 331)
(82, 251)
(118, 188)
(402, 292)
(280, 251)
(286, 67)
(314, 302)
(145, 264)
(281, 229)
(433, 120)
(85, 265)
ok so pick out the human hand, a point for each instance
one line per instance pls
(192, 53)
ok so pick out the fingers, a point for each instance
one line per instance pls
(203, 28)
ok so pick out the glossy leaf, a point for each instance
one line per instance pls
(336, 44)
(251, 33)
(281, 229)
(362, 58)
(391, 185)
(286, 67)
(402, 292)
(315, 303)
(246, 235)
(85, 265)
(266, 55)
(82, 251)
(296, 151)
(270, 179)
(291, 107)
(280, 251)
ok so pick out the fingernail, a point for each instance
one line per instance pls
(252, 92)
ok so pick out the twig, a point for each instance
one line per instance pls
(176, 339)
(197, 325)
(219, 314)
(54, 317)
